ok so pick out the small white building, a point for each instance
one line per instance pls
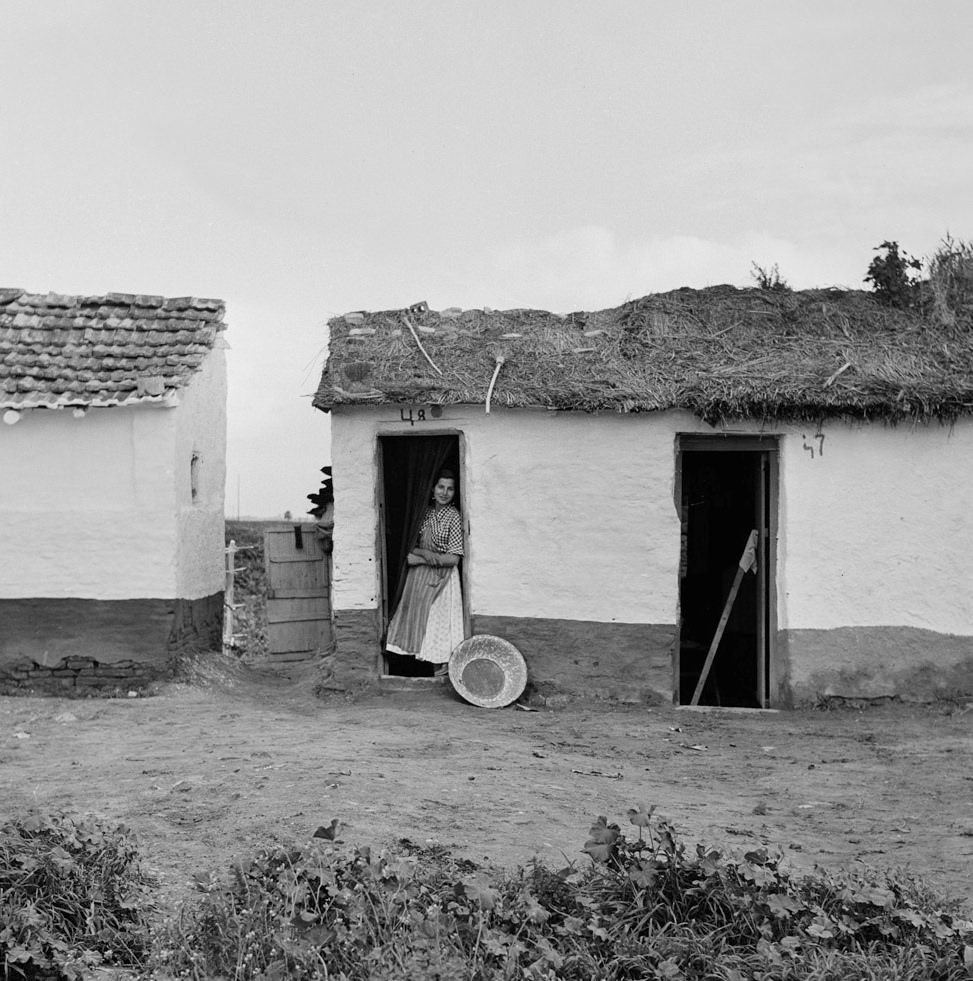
(612, 466)
(112, 473)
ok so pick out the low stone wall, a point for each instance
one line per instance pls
(76, 675)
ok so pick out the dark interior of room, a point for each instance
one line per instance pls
(719, 508)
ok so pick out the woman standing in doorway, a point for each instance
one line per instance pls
(428, 623)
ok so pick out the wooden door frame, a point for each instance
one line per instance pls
(769, 448)
(382, 558)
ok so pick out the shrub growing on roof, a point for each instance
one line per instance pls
(893, 276)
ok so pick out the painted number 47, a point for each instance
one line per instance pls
(810, 447)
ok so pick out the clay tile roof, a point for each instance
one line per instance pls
(58, 350)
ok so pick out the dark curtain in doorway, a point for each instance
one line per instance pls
(422, 459)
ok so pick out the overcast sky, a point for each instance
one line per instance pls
(302, 158)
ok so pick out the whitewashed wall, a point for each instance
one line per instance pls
(94, 507)
(85, 504)
(877, 530)
(201, 429)
(572, 516)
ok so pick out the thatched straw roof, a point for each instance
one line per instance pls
(720, 353)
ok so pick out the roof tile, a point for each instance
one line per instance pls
(59, 349)
(58, 300)
(179, 303)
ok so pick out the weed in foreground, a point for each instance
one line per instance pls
(72, 896)
(645, 907)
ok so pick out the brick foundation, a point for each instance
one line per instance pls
(75, 675)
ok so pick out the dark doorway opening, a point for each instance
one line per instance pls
(726, 491)
(409, 465)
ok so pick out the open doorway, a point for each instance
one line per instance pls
(409, 465)
(727, 489)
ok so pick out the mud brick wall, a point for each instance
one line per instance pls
(354, 661)
(75, 675)
(197, 624)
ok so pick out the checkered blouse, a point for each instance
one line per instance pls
(444, 528)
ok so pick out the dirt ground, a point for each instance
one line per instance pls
(211, 770)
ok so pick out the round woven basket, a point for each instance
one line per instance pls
(488, 671)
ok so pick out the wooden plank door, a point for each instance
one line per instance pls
(298, 592)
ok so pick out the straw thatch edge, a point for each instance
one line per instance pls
(720, 353)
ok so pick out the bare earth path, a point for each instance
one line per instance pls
(210, 771)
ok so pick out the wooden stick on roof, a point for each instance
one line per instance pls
(493, 380)
(412, 330)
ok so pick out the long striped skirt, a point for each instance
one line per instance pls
(429, 621)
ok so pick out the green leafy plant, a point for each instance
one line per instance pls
(320, 911)
(893, 276)
(751, 915)
(769, 279)
(72, 896)
(646, 905)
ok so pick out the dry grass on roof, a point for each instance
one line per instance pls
(719, 353)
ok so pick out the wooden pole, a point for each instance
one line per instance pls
(748, 561)
(228, 604)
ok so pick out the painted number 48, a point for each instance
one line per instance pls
(420, 416)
